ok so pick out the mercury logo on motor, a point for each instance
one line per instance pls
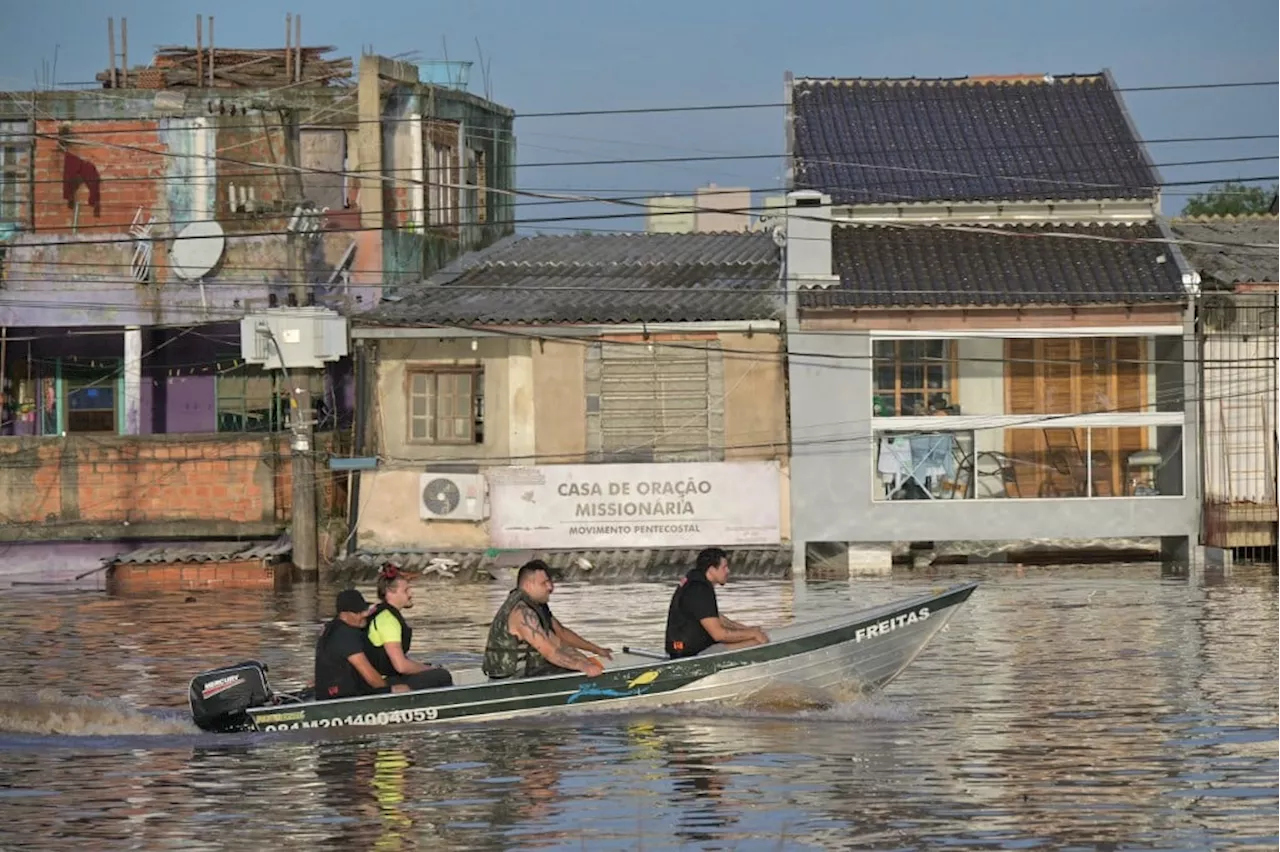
(222, 684)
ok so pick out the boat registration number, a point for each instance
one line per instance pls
(391, 717)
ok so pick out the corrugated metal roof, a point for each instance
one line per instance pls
(179, 553)
(936, 266)
(627, 248)
(867, 141)
(1235, 260)
(599, 278)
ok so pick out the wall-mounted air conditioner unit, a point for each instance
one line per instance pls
(453, 497)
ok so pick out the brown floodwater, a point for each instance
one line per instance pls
(1100, 707)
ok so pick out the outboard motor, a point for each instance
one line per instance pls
(219, 698)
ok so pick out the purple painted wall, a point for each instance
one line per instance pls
(172, 404)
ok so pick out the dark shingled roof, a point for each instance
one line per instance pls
(939, 266)
(866, 141)
(599, 278)
(1235, 260)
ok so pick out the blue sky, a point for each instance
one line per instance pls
(555, 55)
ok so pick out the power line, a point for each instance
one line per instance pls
(780, 105)
(639, 203)
(788, 443)
(496, 134)
(641, 210)
(760, 282)
(832, 360)
(277, 167)
(328, 109)
(388, 174)
(764, 275)
(524, 222)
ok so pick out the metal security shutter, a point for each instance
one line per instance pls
(659, 405)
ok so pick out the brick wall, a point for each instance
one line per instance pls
(243, 574)
(128, 178)
(254, 139)
(48, 264)
(150, 486)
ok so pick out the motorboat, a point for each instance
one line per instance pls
(860, 651)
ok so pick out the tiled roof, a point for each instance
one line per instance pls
(869, 141)
(599, 278)
(938, 266)
(1235, 260)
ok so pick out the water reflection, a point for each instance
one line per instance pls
(1085, 707)
(365, 790)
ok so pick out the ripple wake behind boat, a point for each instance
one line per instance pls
(50, 712)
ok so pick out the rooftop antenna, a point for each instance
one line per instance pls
(484, 72)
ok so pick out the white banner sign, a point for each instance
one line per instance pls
(635, 505)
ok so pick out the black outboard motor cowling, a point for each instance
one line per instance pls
(219, 698)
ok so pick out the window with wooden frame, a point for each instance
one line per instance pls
(446, 406)
(912, 378)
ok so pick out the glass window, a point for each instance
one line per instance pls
(446, 406)
(913, 377)
(89, 399)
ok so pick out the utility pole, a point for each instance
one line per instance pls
(303, 457)
(302, 447)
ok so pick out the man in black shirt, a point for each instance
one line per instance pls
(342, 669)
(694, 622)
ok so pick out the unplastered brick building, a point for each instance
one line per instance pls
(139, 222)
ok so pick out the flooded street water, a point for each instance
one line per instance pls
(1091, 707)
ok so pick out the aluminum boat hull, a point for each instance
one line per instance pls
(855, 653)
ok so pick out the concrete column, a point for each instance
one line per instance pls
(132, 380)
(369, 141)
(799, 559)
(522, 435)
(1182, 551)
(870, 560)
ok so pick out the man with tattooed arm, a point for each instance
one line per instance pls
(526, 640)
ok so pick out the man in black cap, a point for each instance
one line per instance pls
(342, 669)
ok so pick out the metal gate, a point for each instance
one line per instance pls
(1238, 440)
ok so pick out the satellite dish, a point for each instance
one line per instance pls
(196, 250)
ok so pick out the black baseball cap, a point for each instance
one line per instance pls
(350, 600)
